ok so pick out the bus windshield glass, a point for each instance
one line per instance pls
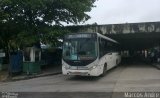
(80, 49)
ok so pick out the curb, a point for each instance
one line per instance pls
(31, 77)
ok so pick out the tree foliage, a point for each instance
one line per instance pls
(24, 20)
(52, 35)
(35, 12)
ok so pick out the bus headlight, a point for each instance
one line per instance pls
(66, 67)
(94, 67)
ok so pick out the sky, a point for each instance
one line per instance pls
(124, 11)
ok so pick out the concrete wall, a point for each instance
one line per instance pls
(119, 28)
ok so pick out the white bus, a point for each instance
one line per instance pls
(89, 54)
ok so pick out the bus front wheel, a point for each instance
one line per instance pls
(104, 69)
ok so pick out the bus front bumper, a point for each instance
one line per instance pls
(88, 72)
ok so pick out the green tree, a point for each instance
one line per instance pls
(24, 22)
(36, 12)
(52, 35)
(29, 16)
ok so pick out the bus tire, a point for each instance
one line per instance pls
(117, 62)
(104, 69)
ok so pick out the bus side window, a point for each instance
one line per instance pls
(100, 47)
(103, 46)
(109, 47)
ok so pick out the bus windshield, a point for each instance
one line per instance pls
(80, 49)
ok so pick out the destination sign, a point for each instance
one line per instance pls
(80, 36)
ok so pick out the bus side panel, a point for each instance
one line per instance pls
(116, 59)
(111, 59)
(106, 59)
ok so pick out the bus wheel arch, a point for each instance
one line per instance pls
(116, 61)
(104, 68)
